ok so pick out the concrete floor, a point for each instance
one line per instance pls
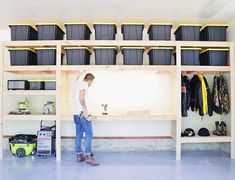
(198, 165)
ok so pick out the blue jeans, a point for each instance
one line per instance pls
(83, 126)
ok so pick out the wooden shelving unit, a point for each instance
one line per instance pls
(59, 71)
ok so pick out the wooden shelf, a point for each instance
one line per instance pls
(31, 69)
(29, 117)
(13, 44)
(76, 68)
(206, 69)
(209, 139)
(30, 93)
(127, 118)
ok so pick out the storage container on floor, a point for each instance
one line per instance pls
(132, 31)
(160, 55)
(214, 57)
(105, 55)
(46, 56)
(77, 31)
(17, 85)
(213, 32)
(50, 84)
(105, 31)
(50, 31)
(190, 56)
(36, 85)
(188, 32)
(78, 56)
(159, 31)
(133, 55)
(23, 32)
(22, 56)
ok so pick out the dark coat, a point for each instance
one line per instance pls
(185, 95)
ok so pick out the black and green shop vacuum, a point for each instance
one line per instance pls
(23, 145)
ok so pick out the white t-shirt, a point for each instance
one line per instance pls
(78, 86)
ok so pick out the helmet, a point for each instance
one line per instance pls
(188, 132)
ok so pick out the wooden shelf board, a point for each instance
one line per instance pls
(30, 93)
(31, 69)
(75, 69)
(207, 69)
(210, 139)
(205, 44)
(127, 118)
(29, 117)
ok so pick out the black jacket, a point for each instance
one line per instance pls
(185, 95)
(196, 96)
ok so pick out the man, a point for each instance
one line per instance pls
(82, 121)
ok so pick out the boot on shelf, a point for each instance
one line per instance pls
(223, 128)
(217, 130)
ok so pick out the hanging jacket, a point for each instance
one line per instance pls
(185, 95)
(220, 95)
(201, 99)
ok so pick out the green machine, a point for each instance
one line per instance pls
(23, 144)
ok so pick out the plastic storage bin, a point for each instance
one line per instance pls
(46, 56)
(23, 32)
(105, 31)
(190, 56)
(22, 56)
(50, 31)
(133, 55)
(132, 31)
(160, 55)
(105, 55)
(78, 56)
(36, 85)
(77, 31)
(214, 57)
(50, 85)
(188, 32)
(159, 31)
(17, 85)
(213, 32)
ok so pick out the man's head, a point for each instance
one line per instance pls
(89, 78)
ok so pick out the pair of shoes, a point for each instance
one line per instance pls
(81, 158)
(221, 129)
(90, 159)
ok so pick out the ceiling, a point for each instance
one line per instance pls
(17, 11)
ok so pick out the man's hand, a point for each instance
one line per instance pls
(85, 114)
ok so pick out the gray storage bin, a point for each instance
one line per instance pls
(78, 56)
(50, 85)
(105, 31)
(23, 32)
(105, 55)
(190, 56)
(46, 56)
(160, 55)
(133, 55)
(132, 31)
(50, 31)
(77, 31)
(17, 85)
(188, 32)
(160, 31)
(213, 32)
(22, 56)
(214, 57)
(36, 85)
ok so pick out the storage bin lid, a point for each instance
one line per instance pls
(103, 23)
(76, 48)
(161, 48)
(45, 48)
(79, 23)
(48, 80)
(23, 24)
(215, 49)
(35, 80)
(132, 23)
(214, 25)
(104, 47)
(20, 49)
(56, 24)
(133, 48)
(162, 24)
(191, 48)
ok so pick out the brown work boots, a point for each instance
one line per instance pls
(88, 159)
